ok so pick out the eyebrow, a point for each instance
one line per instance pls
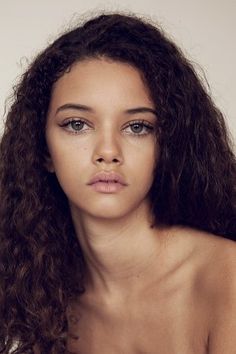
(81, 107)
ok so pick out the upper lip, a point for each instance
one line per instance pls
(104, 176)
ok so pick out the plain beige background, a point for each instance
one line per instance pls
(204, 29)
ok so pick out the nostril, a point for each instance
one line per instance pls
(101, 159)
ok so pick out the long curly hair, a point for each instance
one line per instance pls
(41, 263)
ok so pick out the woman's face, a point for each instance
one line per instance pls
(102, 119)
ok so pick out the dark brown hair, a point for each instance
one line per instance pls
(41, 263)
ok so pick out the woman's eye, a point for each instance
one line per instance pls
(139, 128)
(133, 128)
(75, 126)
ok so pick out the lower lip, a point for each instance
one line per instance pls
(107, 187)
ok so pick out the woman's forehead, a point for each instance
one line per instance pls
(98, 82)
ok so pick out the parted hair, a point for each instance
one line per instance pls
(41, 263)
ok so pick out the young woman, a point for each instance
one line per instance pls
(117, 214)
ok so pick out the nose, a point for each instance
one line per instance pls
(107, 150)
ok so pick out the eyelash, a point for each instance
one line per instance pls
(149, 127)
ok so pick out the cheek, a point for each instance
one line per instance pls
(66, 153)
(142, 162)
(69, 164)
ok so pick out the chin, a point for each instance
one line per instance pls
(109, 214)
(108, 206)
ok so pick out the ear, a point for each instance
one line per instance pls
(48, 164)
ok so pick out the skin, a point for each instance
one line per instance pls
(148, 290)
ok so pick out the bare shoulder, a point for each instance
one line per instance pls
(215, 260)
(218, 257)
(211, 251)
(212, 258)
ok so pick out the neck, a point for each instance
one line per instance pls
(117, 251)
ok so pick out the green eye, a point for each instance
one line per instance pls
(139, 128)
(77, 125)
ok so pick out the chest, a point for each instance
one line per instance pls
(170, 325)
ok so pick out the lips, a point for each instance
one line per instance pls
(107, 177)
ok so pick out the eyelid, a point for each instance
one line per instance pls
(139, 121)
(73, 119)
